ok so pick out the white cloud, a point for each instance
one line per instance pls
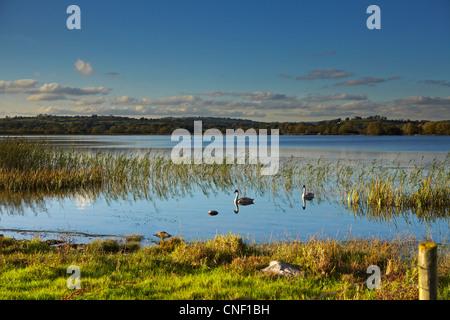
(326, 74)
(88, 101)
(54, 91)
(413, 107)
(56, 88)
(45, 97)
(256, 95)
(436, 82)
(28, 86)
(140, 109)
(84, 68)
(218, 93)
(245, 104)
(48, 91)
(114, 75)
(365, 81)
(46, 110)
(123, 100)
(177, 100)
(333, 97)
(17, 86)
(424, 101)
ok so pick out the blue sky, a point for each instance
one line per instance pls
(260, 60)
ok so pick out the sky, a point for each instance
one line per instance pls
(260, 60)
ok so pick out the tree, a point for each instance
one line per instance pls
(97, 130)
(114, 130)
(443, 128)
(429, 128)
(410, 129)
(347, 128)
(393, 130)
(375, 128)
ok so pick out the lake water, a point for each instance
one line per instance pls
(270, 218)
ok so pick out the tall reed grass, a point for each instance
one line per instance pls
(35, 166)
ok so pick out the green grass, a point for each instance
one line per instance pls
(226, 267)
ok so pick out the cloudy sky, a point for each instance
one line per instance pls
(256, 59)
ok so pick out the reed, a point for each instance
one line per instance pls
(35, 166)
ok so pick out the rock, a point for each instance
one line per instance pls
(212, 212)
(163, 235)
(282, 269)
(53, 242)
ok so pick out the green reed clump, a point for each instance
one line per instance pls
(27, 166)
(49, 179)
(426, 186)
(24, 154)
(218, 251)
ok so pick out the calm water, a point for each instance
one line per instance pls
(268, 219)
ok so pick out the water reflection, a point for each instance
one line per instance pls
(19, 203)
(272, 208)
(148, 198)
(304, 203)
(36, 202)
(391, 213)
(236, 210)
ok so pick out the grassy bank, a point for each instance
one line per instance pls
(226, 267)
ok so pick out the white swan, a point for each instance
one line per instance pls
(307, 195)
(242, 201)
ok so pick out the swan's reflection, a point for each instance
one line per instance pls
(237, 207)
(304, 203)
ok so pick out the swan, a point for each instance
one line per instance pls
(307, 195)
(242, 201)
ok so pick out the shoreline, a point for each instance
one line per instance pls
(70, 237)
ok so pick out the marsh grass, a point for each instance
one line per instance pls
(30, 167)
(225, 267)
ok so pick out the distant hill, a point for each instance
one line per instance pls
(107, 125)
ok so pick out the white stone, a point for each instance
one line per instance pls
(282, 269)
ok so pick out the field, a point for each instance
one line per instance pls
(226, 267)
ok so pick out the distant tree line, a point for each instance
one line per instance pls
(108, 125)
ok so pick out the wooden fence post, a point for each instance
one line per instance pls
(427, 271)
